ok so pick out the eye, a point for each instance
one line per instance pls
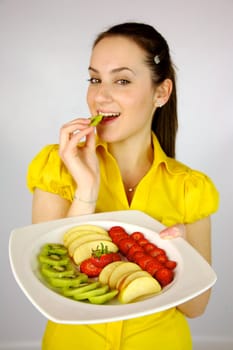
(123, 82)
(94, 81)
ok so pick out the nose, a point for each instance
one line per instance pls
(103, 93)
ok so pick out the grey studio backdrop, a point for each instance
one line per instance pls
(45, 47)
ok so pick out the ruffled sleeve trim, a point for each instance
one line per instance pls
(48, 173)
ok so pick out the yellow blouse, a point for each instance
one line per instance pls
(171, 193)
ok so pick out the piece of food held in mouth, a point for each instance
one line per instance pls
(97, 265)
(95, 120)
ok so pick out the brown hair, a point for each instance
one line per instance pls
(164, 122)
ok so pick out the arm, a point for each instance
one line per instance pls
(47, 206)
(82, 164)
(198, 235)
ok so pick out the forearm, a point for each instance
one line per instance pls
(195, 307)
(82, 205)
(48, 206)
(199, 236)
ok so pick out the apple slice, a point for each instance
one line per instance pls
(76, 234)
(139, 287)
(84, 227)
(84, 251)
(107, 271)
(84, 239)
(123, 282)
(119, 271)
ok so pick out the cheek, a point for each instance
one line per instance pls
(88, 97)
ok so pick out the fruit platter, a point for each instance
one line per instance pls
(105, 267)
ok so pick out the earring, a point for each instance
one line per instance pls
(159, 104)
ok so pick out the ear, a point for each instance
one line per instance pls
(163, 93)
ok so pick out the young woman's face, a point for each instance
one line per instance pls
(120, 89)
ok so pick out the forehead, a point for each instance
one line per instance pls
(115, 51)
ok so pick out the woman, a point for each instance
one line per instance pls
(129, 165)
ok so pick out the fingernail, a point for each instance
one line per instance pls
(173, 232)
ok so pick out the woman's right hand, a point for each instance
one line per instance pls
(81, 161)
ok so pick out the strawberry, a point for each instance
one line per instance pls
(164, 276)
(125, 244)
(161, 258)
(133, 249)
(137, 235)
(102, 257)
(153, 266)
(156, 251)
(116, 229)
(102, 261)
(137, 255)
(89, 268)
(117, 236)
(142, 242)
(148, 247)
(115, 257)
(170, 264)
(117, 233)
(144, 260)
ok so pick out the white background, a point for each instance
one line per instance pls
(44, 53)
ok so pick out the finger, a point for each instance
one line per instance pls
(78, 120)
(91, 140)
(76, 137)
(173, 232)
(68, 130)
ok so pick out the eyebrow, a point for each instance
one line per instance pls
(115, 70)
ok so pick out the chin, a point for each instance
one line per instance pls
(108, 137)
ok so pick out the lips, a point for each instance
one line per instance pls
(109, 115)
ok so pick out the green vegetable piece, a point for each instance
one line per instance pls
(66, 282)
(92, 293)
(96, 120)
(104, 298)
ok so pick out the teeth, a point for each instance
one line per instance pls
(109, 114)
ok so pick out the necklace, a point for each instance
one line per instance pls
(131, 189)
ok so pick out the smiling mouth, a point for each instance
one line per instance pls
(109, 115)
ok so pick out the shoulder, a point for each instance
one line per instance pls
(191, 178)
(199, 193)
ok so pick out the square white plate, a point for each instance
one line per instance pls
(193, 275)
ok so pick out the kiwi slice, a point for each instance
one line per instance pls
(67, 282)
(54, 248)
(54, 259)
(94, 292)
(71, 292)
(103, 298)
(96, 120)
(57, 271)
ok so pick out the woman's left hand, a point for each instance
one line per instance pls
(174, 231)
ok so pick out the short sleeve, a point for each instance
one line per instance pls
(201, 197)
(48, 173)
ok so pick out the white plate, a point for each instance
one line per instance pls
(193, 274)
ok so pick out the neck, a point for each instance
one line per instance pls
(134, 160)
